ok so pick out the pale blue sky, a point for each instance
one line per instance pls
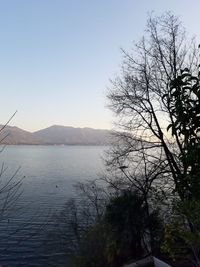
(57, 56)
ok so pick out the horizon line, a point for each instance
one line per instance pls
(53, 125)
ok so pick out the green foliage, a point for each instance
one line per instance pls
(91, 252)
(182, 236)
(131, 226)
(123, 233)
(126, 219)
(174, 244)
(184, 106)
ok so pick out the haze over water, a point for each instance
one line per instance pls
(50, 173)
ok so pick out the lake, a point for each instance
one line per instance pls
(48, 173)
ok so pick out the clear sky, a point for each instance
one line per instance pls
(57, 56)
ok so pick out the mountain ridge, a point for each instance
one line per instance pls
(54, 135)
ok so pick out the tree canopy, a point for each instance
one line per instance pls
(157, 102)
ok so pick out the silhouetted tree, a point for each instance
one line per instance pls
(184, 103)
(156, 99)
(10, 186)
(129, 227)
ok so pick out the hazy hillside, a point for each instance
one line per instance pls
(14, 135)
(68, 135)
(55, 135)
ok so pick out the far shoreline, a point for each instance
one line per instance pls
(20, 144)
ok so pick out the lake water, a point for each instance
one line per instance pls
(49, 173)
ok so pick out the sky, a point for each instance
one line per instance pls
(57, 56)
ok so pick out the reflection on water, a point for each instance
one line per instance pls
(49, 173)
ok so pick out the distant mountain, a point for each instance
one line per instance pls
(14, 136)
(55, 135)
(72, 136)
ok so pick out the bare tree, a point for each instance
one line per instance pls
(10, 187)
(137, 97)
(149, 150)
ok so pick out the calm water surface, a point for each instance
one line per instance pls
(49, 173)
